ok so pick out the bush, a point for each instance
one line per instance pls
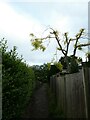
(18, 81)
(73, 67)
(71, 63)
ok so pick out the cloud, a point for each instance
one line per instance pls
(16, 28)
(60, 21)
(15, 24)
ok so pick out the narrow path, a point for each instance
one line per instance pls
(38, 108)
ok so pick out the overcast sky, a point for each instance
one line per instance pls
(19, 18)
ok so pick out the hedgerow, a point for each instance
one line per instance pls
(18, 82)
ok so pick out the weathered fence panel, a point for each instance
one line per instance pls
(61, 93)
(72, 92)
(86, 71)
(75, 96)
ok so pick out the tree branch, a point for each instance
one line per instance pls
(83, 45)
(77, 38)
(58, 41)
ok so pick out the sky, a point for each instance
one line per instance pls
(19, 18)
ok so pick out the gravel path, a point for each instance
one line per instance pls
(38, 107)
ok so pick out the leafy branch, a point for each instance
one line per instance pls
(63, 44)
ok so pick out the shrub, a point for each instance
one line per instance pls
(18, 83)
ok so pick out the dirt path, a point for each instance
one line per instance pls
(38, 107)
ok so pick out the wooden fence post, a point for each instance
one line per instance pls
(86, 72)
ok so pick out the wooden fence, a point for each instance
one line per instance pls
(72, 92)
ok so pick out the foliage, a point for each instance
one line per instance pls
(59, 65)
(63, 46)
(63, 61)
(53, 70)
(41, 72)
(18, 81)
(37, 43)
(73, 63)
(49, 66)
(88, 56)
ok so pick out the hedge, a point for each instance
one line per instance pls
(18, 82)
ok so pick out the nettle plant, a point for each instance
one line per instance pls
(70, 62)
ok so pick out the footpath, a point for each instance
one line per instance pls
(38, 107)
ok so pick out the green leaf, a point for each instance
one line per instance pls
(58, 48)
(58, 65)
(65, 42)
(43, 48)
(49, 65)
(32, 34)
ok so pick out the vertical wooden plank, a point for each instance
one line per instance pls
(51, 82)
(61, 93)
(68, 95)
(54, 84)
(89, 92)
(82, 96)
(55, 79)
(65, 103)
(57, 88)
(75, 96)
(86, 73)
